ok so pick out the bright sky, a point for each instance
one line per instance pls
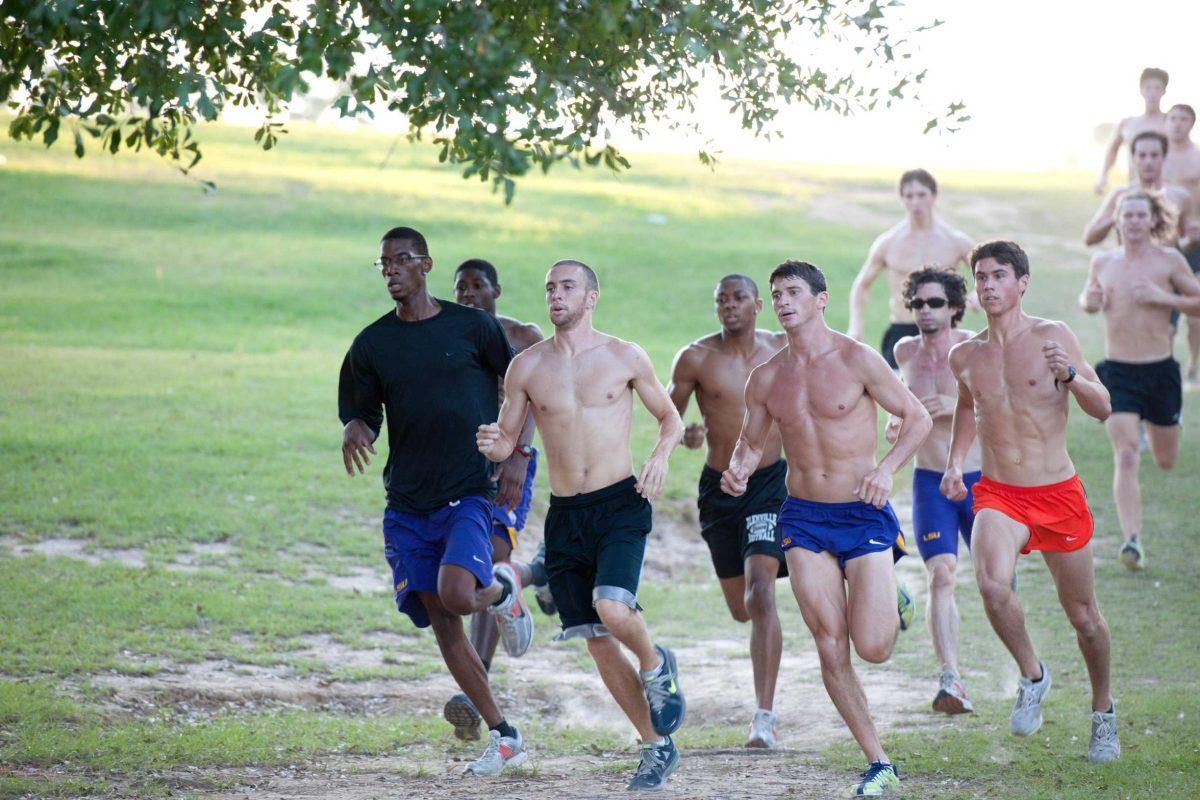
(1038, 77)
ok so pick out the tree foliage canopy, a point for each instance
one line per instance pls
(502, 86)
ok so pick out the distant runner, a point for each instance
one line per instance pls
(1181, 168)
(1015, 382)
(1153, 85)
(938, 299)
(435, 368)
(1137, 286)
(919, 240)
(741, 532)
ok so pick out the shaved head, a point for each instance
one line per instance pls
(593, 283)
(750, 284)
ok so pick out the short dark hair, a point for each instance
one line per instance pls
(953, 284)
(593, 283)
(408, 234)
(744, 278)
(1154, 73)
(1009, 253)
(1155, 135)
(480, 265)
(802, 270)
(921, 176)
(1185, 108)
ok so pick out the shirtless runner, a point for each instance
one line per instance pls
(741, 532)
(1137, 286)
(938, 299)
(1181, 168)
(1148, 151)
(1153, 85)
(823, 391)
(477, 285)
(1015, 380)
(920, 239)
(580, 385)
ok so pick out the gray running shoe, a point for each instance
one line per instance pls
(460, 712)
(1105, 746)
(952, 695)
(658, 763)
(1026, 715)
(501, 752)
(513, 617)
(762, 730)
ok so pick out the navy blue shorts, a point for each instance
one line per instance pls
(938, 520)
(416, 546)
(846, 530)
(507, 524)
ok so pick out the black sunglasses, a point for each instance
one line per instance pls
(933, 302)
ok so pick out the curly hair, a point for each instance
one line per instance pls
(1163, 215)
(953, 284)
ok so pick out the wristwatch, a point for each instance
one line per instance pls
(527, 451)
(1070, 375)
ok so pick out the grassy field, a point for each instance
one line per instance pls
(168, 364)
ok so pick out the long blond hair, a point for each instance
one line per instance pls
(1161, 212)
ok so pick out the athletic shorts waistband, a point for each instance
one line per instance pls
(933, 473)
(829, 506)
(1162, 362)
(708, 473)
(1013, 490)
(585, 499)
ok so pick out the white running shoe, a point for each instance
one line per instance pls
(762, 730)
(501, 752)
(952, 695)
(1026, 715)
(1104, 746)
(512, 616)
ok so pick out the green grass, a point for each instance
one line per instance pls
(168, 365)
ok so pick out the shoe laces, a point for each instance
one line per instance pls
(1027, 696)
(493, 747)
(653, 760)
(874, 769)
(1106, 728)
(657, 691)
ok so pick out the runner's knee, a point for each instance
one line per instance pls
(832, 648)
(1085, 618)
(941, 575)
(613, 613)
(993, 589)
(760, 599)
(1127, 456)
(874, 649)
(1166, 460)
(457, 600)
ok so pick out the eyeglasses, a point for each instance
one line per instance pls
(386, 263)
(933, 302)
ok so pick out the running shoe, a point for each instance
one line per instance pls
(762, 730)
(541, 591)
(905, 605)
(658, 762)
(461, 713)
(878, 779)
(501, 752)
(1132, 556)
(667, 705)
(1104, 746)
(952, 696)
(1026, 715)
(513, 617)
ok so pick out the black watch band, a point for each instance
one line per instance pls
(1070, 375)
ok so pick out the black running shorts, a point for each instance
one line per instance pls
(595, 543)
(894, 333)
(1153, 391)
(737, 527)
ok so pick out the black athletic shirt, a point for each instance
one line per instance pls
(437, 379)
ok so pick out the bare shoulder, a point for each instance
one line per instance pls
(691, 355)
(857, 355)
(764, 373)
(527, 362)
(1174, 257)
(520, 334)
(965, 351)
(885, 238)
(775, 339)
(630, 354)
(906, 348)
(1050, 327)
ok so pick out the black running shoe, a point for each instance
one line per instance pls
(541, 591)
(667, 705)
(657, 763)
(460, 712)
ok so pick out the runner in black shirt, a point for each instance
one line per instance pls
(434, 367)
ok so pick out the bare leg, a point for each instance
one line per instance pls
(766, 634)
(734, 590)
(1193, 335)
(460, 657)
(871, 581)
(1164, 444)
(484, 631)
(1075, 580)
(623, 682)
(817, 584)
(1123, 432)
(942, 613)
(995, 544)
(628, 628)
